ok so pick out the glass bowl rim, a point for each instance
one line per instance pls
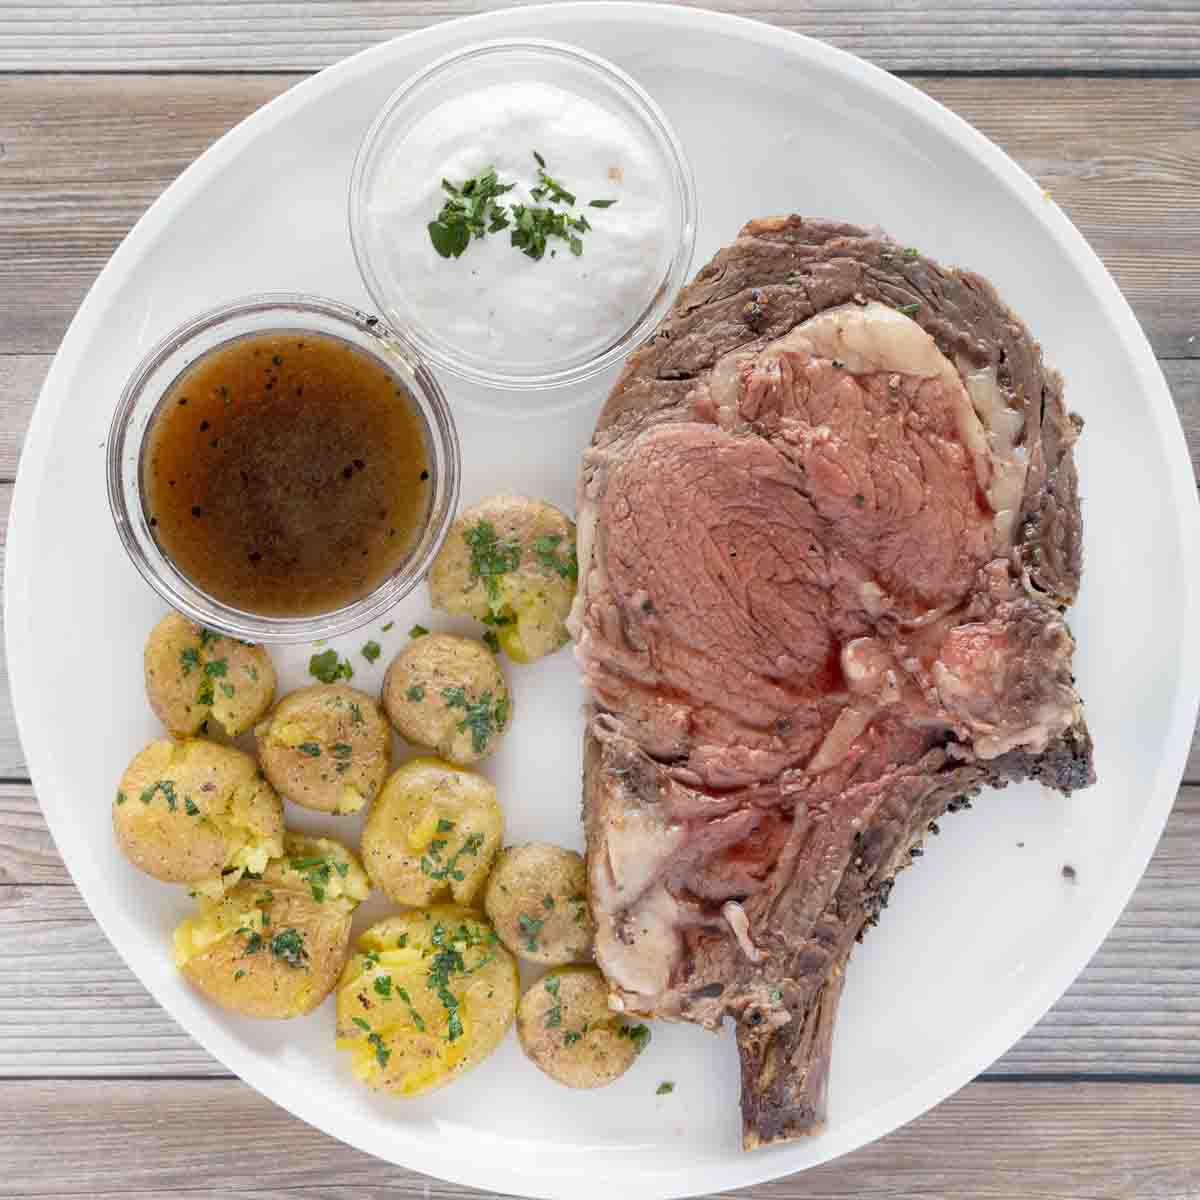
(384, 343)
(440, 352)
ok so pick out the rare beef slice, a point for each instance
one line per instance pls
(828, 532)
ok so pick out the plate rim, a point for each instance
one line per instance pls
(421, 1153)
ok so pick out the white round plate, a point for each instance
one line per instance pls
(980, 938)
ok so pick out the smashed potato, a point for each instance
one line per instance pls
(275, 946)
(194, 675)
(435, 828)
(327, 747)
(448, 693)
(198, 813)
(511, 563)
(566, 1027)
(426, 996)
(536, 899)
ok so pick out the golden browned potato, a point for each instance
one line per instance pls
(536, 899)
(566, 1027)
(274, 947)
(194, 675)
(448, 693)
(198, 813)
(511, 563)
(434, 829)
(426, 996)
(326, 747)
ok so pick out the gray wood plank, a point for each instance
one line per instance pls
(85, 156)
(1133, 1010)
(196, 1139)
(929, 35)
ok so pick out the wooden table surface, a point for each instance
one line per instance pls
(101, 106)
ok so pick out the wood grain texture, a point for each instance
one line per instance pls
(83, 157)
(1133, 1010)
(198, 1139)
(930, 35)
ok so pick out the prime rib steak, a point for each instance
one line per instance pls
(828, 531)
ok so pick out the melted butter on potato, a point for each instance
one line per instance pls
(426, 996)
(536, 899)
(434, 829)
(197, 813)
(194, 675)
(567, 1029)
(274, 947)
(510, 562)
(448, 693)
(326, 747)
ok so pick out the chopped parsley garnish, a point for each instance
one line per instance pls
(571, 1037)
(432, 866)
(315, 872)
(383, 986)
(342, 750)
(470, 210)
(289, 946)
(252, 671)
(388, 626)
(356, 717)
(547, 902)
(490, 557)
(554, 1014)
(189, 658)
(254, 941)
(417, 1020)
(417, 631)
(205, 694)
(167, 787)
(665, 1088)
(382, 1053)
(363, 1025)
(481, 717)
(310, 748)
(639, 1035)
(328, 668)
(217, 669)
(189, 807)
(238, 974)
(371, 651)
(473, 209)
(207, 637)
(492, 642)
(531, 927)
(449, 962)
(228, 690)
(444, 826)
(775, 995)
(415, 694)
(121, 797)
(498, 618)
(910, 252)
(909, 310)
(545, 549)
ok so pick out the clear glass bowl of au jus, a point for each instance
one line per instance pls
(154, 403)
(494, 315)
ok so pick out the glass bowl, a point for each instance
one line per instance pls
(275, 313)
(382, 262)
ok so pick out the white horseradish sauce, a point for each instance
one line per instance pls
(494, 301)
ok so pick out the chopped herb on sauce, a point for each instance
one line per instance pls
(310, 748)
(371, 651)
(665, 1088)
(415, 694)
(417, 631)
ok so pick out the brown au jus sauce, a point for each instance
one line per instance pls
(286, 473)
